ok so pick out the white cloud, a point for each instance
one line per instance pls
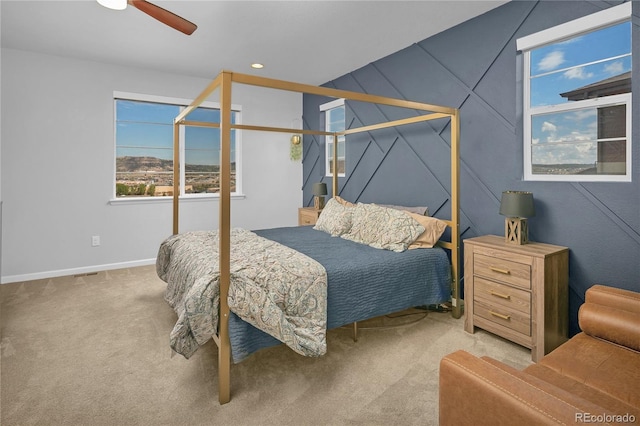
(576, 153)
(585, 149)
(548, 127)
(571, 40)
(578, 73)
(580, 136)
(583, 114)
(551, 61)
(614, 68)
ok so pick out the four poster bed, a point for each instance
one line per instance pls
(249, 290)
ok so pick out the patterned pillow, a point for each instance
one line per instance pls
(335, 218)
(421, 210)
(383, 228)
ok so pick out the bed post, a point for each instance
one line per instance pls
(176, 175)
(224, 348)
(334, 170)
(456, 302)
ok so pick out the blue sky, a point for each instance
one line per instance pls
(146, 129)
(570, 137)
(577, 62)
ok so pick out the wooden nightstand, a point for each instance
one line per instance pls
(308, 215)
(518, 292)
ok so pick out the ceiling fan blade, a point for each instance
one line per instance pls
(164, 16)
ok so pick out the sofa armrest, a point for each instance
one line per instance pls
(474, 391)
(612, 314)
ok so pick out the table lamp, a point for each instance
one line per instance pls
(517, 206)
(319, 191)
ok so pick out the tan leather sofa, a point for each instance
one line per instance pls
(593, 378)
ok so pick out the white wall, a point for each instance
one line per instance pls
(58, 165)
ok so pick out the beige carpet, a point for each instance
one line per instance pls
(94, 350)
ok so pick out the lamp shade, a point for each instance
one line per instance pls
(517, 204)
(319, 189)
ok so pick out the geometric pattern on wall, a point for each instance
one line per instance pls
(474, 67)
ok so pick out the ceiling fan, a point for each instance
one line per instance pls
(162, 15)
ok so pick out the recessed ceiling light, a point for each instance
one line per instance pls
(257, 65)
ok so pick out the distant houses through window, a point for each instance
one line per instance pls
(144, 148)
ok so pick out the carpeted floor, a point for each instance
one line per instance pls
(93, 350)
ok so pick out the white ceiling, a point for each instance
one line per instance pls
(305, 41)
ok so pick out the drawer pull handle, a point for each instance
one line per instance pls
(504, 317)
(500, 270)
(500, 295)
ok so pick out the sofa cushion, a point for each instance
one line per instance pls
(609, 368)
(581, 390)
(541, 376)
(476, 392)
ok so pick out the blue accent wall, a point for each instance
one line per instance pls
(475, 67)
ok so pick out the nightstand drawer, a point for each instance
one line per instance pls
(506, 317)
(495, 294)
(308, 216)
(503, 270)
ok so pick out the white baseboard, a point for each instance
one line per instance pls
(75, 271)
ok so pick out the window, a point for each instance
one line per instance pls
(334, 121)
(144, 148)
(577, 99)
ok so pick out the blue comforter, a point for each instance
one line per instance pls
(363, 282)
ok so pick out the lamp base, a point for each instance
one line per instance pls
(318, 202)
(516, 230)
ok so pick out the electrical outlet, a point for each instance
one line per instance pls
(95, 241)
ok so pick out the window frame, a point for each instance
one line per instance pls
(181, 103)
(608, 17)
(328, 151)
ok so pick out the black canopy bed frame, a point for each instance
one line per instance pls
(223, 83)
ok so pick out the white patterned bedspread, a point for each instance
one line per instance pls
(273, 287)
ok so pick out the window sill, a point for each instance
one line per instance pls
(167, 200)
